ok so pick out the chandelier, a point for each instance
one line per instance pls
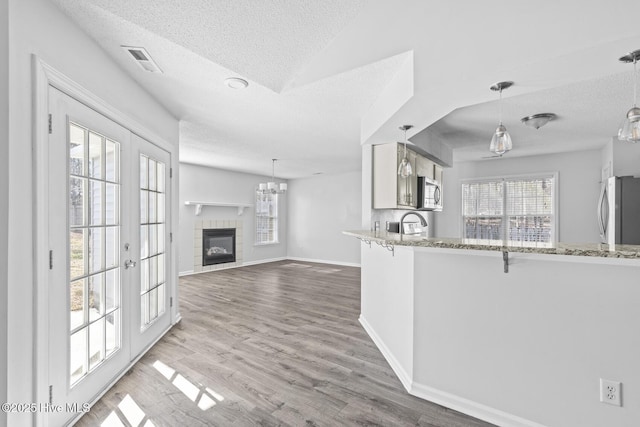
(271, 187)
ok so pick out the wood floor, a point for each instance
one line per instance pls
(273, 345)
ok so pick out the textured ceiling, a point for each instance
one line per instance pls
(588, 115)
(324, 75)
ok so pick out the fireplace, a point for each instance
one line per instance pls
(218, 245)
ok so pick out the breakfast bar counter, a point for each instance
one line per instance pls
(576, 249)
(512, 335)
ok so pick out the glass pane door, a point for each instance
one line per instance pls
(88, 199)
(149, 294)
(152, 242)
(94, 249)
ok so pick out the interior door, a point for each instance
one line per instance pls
(109, 198)
(149, 292)
(88, 233)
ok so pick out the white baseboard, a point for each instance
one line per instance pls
(262, 261)
(244, 264)
(460, 404)
(400, 372)
(323, 261)
(469, 407)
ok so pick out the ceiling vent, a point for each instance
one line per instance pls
(143, 59)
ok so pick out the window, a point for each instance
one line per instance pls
(266, 219)
(520, 210)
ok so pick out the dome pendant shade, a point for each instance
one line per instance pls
(501, 141)
(536, 121)
(630, 126)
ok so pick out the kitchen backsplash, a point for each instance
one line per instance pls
(394, 215)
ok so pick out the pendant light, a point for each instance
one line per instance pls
(501, 141)
(629, 130)
(270, 187)
(404, 168)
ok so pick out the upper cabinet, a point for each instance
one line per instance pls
(437, 173)
(425, 167)
(393, 189)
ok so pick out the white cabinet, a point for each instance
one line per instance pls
(390, 189)
(424, 167)
(437, 174)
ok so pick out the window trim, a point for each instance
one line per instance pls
(516, 177)
(276, 239)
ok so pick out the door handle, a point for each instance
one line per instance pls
(129, 263)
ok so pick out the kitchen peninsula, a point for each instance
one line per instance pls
(514, 335)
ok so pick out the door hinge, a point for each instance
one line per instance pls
(170, 301)
(170, 237)
(50, 124)
(170, 172)
(50, 260)
(50, 395)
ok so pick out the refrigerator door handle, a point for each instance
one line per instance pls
(603, 212)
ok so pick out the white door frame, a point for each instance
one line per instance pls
(44, 76)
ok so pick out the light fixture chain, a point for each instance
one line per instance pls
(635, 81)
(500, 106)
(405, 143)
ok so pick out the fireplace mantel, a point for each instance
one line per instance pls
(199, 205)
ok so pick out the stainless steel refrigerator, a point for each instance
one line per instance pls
(619, 211)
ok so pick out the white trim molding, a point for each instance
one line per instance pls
(397, 367)
(448, 400)
(324, 261)
(44, 76)
(469, 407)
(241, 206)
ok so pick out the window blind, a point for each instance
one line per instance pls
(519, 210)
(266, 218)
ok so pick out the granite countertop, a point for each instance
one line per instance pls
(578, 249)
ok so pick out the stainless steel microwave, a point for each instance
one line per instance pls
(429, 194)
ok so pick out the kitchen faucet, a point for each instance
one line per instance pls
(422, 220)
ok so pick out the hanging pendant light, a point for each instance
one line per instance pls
(271, 187)
(404, 168)
(629, 130)
(501, 141)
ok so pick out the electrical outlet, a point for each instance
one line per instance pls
(611, 392)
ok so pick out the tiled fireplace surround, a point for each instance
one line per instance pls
(197, 243)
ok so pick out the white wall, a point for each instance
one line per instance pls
(623, 157)
(205, 184)
(387, 308)
(320, 208)
(38, 27)
(4, 195)
(531, 343)
(578, 188)
(526, 348)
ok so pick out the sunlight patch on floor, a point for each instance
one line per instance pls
(296, 265)
(202, 396)
(311, 268)
(131, 412)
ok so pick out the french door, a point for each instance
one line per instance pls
(108, 210)
(150, 201)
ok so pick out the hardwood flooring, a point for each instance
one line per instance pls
(274, 344)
